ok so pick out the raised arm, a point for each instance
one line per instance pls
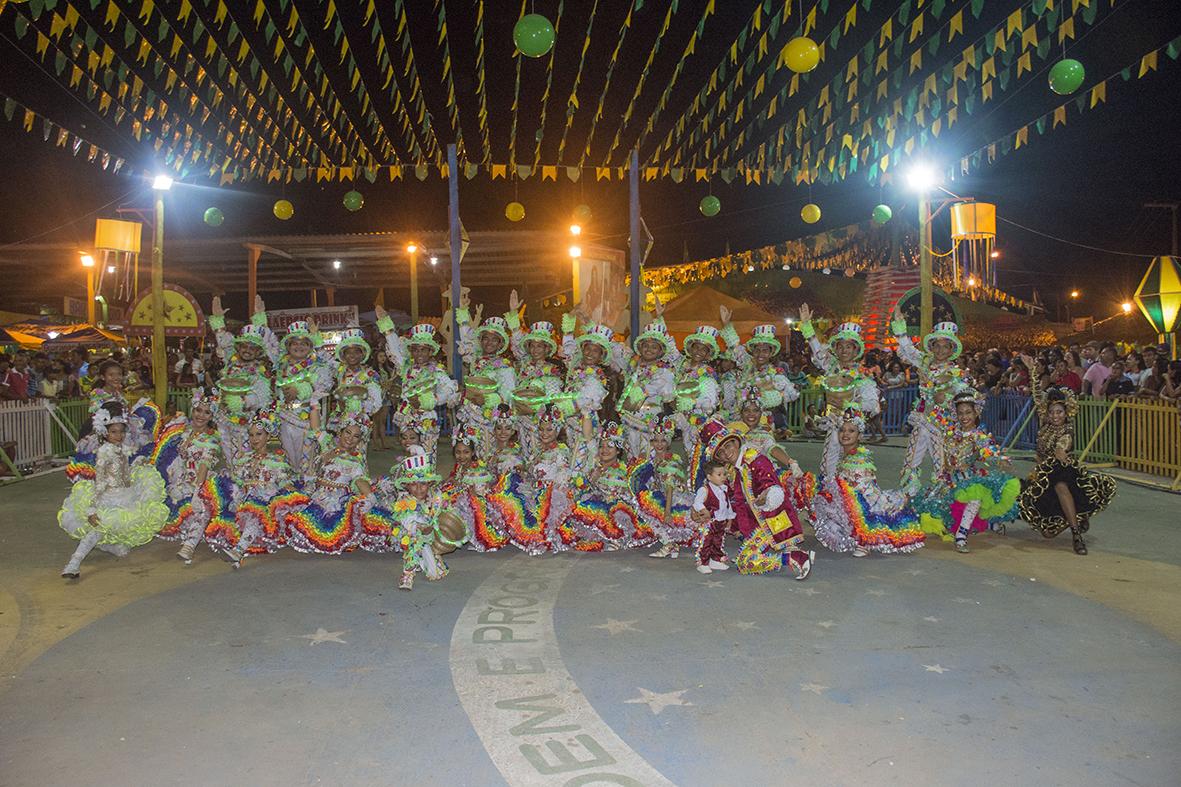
(223, 338)
(821, 357)
(907, 352)
(394, 346)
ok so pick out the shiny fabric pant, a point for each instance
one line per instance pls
(925, 439)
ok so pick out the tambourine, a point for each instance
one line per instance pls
(528, 399)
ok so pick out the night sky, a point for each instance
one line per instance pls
(1086, 182)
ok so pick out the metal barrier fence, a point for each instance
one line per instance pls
(27, 424)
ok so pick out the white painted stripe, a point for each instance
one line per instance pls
(534, 721)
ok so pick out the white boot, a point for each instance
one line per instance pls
(666, 550)
(185, 552)
(72, 569)
(718, 565)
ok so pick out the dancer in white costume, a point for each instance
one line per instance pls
(245, 382)
(302, 379)
(123, 507)
(490, 378)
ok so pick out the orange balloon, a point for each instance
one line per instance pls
(795, 282)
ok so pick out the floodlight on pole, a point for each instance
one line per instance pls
(411, 248)
(1127, 307)
(336, 265)
(162, 182)
(575, 229)
(87, 261)
(575, 252)
(922, 177)
(434, 260)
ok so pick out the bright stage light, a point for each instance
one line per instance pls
(971, 281)
(411, 248)
(995, 254)
(336, 265)
(87, 261)
(162, 183)
(1127, 307)
(575, 251)
(110, 269)
(434, 260)
(1074, 293)
(575, 229)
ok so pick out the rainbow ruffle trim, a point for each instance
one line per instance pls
(880, 532)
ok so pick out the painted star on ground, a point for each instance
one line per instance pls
(657, 701)
(931, 619)
(613, 626)
(815, 688)
(876, 592)
(939, 668)
(713, 583)
(744, 625)
(322, 635)
(600, 587)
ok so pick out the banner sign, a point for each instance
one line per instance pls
(328, 318)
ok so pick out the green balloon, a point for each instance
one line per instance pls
(214, 217)
(882, 214)
(534, 35)
(1066, 76)
(583, 213)
(353, 200)
(710, 206)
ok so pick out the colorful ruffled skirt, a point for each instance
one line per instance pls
(485, 530)
(598, 522)
(941, 509)
(213, 509)
(129, 517)
(845, 518)
(670, 520)
(261, 517)
(529, 515)
(1039, 503)
(337, 524)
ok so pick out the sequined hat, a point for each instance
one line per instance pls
(945, 330)
(708, 336)
(764, 334)
(301, 329)
(497, 326)
(658, 332)
(417, 467)
(424, 334)
(542, 331)
(848, 331)
(600, 335)
(352, 337)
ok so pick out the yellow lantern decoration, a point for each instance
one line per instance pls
(116, 235)
(973, 235)
(1159, 295)
(810, 213)
(118, 243)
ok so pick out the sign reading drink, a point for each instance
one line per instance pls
(328, 318)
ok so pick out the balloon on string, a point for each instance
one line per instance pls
(710, 205)
(283, 210)
(583, 213)
(796, 282)
(353, 200)
(214, 217)
(514, 211)
(801, 54)
(810, 213)
(882, 214)
(1066, 76)
(534, 35)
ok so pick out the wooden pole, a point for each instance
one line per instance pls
(331, 295)
(315, 298)
(253, 253)
(90, 296)
(159, 351)
(633, 211)
(456, 244)
(414, 286)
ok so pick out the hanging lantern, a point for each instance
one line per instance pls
(118, 243)
(1066, 76)
(534, 35)
(801, 54)
(810, 213)
(1159, 294)
(710, 205)
(514, 211)
(973, 235)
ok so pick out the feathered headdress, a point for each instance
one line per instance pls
(1062, 396)
(550, 414)
(852, 414)
(665, 426)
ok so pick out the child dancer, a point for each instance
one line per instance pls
(940, 379)
(491, 377)
(301, 381)
(756, 430)
(845, 383)
(1061, 494)
(141, 426)
(417, 511)
(649, 383)
(342, 512)
(245, 382)
(425, 383)
(465, 493)
(968, 494)
(661, 491)
(263, 494)
(188, 456)
(504, 456)
(123, 507)
(712, 510)
(604, 515)
(851, 512)
(358, 387)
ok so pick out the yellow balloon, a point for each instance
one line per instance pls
(283, 210)
(810, 213)
(795, 282)
(801, 54)
(514, 211)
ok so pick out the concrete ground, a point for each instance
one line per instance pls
(1020, 663)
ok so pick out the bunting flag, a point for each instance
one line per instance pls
(277, 92)
(35, 123)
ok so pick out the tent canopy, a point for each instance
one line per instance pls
(84, 337)
(700, 306)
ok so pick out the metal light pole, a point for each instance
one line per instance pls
(161, 184)
(926, 296)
